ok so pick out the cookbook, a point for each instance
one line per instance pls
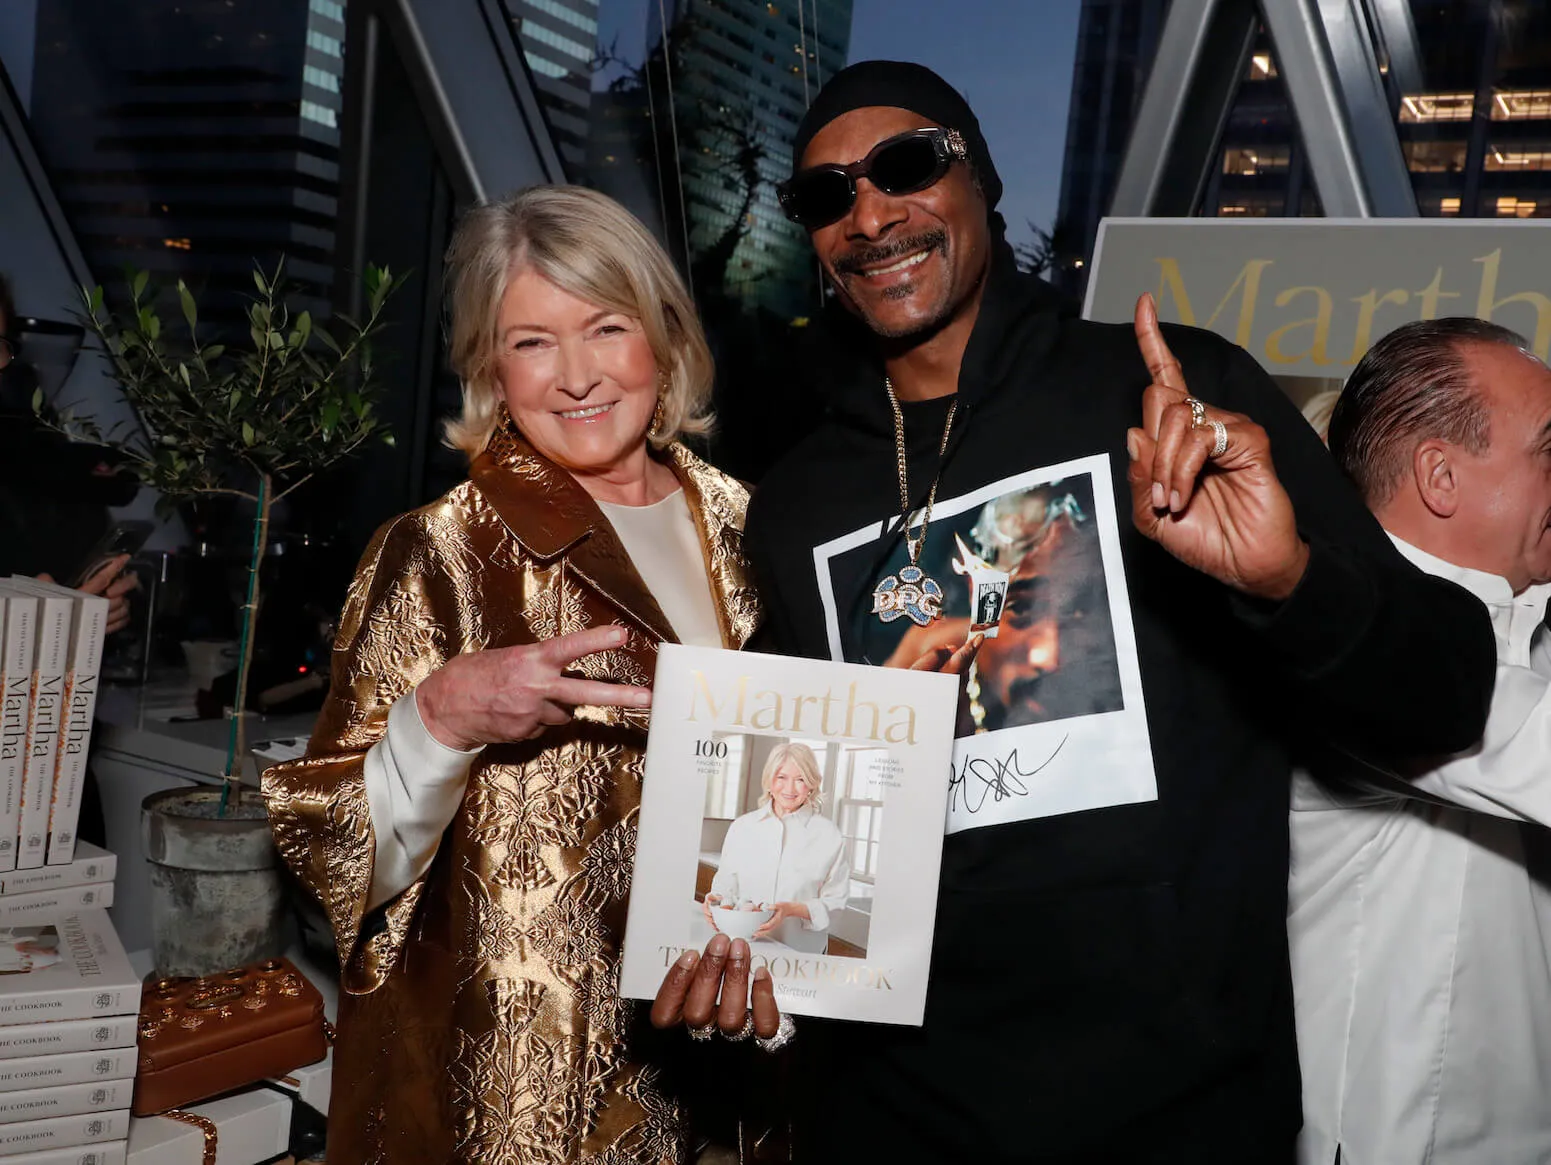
(799, 805)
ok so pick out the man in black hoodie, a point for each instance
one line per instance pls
(1110, 973)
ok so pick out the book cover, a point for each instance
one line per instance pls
(49, 669)
(58, 1132)
(768, 782)
(29, 1072)
(91, 864)
(67, 1036)
(88, 630)
(109, 1153)
(18, 652)
(31, 1104)
(69, 967)
(40, 905)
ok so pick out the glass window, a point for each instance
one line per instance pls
(1249, 160)
(1519, 157)
(1429, 157)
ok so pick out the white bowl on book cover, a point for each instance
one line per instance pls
(217, 898)
(740, 923)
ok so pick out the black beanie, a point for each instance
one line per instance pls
(902, 85)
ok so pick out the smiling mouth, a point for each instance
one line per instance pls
(904, 264)
(584, 414)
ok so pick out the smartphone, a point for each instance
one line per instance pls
(120, 538)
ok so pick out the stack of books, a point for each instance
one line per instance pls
(51, 640)
(69, 1017)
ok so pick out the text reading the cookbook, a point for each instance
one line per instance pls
(827, 714)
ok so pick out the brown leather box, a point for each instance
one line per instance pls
(202, 1037)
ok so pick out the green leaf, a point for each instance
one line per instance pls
(213, 352)
(248, 436)
(37, 400)
(141, 279)
(304, 326)
(186, 298)
(94, 300)
(276, 340)
(329, 342)
(183, 372)
(330, 417)
(387, 439)
(258, 280)
(357, 405)
(154, 327)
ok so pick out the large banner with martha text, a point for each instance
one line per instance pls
(1307, 296)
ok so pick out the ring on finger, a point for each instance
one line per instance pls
(1220, 445)
(743, 1032)
(1197, 412)
(702, 1033)
(784, 1034)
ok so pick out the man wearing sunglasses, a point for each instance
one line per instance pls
(1111, 984)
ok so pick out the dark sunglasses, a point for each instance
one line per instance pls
(901, 164)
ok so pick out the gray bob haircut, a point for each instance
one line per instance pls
(1414, 383)
(586, 244)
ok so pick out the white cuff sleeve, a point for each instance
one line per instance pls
(414, 784)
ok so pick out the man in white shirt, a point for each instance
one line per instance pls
(1421, 936)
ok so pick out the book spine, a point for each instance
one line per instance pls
(86, 641)
(48, 690)
(70, 1003)
(21, 624)
(19, 909)
(60, 1132)
(99, 866)
(67, 1037)
(107, 1153)
(32, 1072)
(66, 1100)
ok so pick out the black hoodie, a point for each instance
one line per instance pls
(1113, 984)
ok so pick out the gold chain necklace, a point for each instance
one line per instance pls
(911, 593)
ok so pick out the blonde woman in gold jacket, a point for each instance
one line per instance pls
(467, 808)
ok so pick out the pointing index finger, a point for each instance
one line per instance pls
(1161, 364)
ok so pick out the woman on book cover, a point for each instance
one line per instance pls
(467, 807)
(786, 856)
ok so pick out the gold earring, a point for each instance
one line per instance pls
(654, 430)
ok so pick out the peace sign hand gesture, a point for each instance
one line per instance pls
(1202, 483)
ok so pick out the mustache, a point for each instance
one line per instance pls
(860, 257)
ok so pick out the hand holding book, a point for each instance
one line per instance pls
(698, 990)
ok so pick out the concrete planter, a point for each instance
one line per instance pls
(216, 894)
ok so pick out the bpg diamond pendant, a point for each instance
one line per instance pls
(911, 594)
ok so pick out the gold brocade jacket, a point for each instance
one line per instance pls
(480, 1019)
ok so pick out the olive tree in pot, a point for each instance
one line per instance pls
(253, 421)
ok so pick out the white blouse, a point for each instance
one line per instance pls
(800, 857)
(414, 783)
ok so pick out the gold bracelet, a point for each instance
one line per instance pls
(203, 1123)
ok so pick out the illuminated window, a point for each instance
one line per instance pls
(1261, 67)
(321, 114)
(1242, 207)
(1255, 159)
(531, 30)
(1435, 157)
(1512, 206)
(321, 78)
(177, 244)
(586, 23)
(1521, 105)
(327, 45)
(1448, 206)
(1521, 156)
(1437, 107)
(543, 67)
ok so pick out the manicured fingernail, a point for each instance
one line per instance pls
(621, 635)
(1174, 502)
(740, 950)
(761, 974)
(688, 959)
(1157, 496)
(1133, 446)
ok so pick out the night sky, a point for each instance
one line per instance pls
(1011, 58)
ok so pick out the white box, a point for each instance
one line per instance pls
(67, 1036)
(70, 1068)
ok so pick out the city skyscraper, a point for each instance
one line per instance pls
(559, 40)
(737, 78)
(190, 138)
(1473, 114)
